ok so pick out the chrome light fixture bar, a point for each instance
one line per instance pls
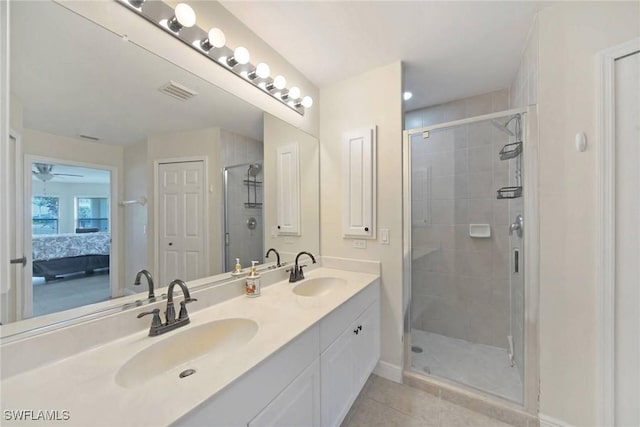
(181, 24)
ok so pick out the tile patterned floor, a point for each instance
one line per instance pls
(383, 403)
(73, 291)
(480, 366)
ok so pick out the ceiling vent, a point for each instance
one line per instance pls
(177, 91)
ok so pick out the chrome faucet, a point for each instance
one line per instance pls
(146, 274)
(277, 256)
(296, 272)
(171, 323)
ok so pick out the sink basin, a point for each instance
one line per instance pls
(318, 286)
(185, 345)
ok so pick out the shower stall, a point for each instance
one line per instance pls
(465, 304)
(243, 227)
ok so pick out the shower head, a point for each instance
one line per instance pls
(254, 169)
(503, 126)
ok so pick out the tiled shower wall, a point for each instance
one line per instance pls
(460, 284)
(245, 243)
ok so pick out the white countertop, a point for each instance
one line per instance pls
(85, 385)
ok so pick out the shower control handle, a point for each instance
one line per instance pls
(517, 226)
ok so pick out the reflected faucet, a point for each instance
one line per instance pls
(277, 256)
(157, 327)
(296, 272)
(146, 274)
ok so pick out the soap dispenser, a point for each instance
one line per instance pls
(252, 285)
(237, 270)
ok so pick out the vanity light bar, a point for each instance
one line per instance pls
(181, 23)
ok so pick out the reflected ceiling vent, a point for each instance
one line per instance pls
(178, 91)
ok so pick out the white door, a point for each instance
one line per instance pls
(181, 221)
(627, 261)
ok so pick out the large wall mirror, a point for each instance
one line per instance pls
(126, 162)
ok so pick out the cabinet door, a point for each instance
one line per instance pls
(359, 171)
(298, 405)
(366, 344)
(288, 190)
(347, 363)
(338, 379)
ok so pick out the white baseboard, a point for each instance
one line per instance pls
(547, 421)
(389, 371)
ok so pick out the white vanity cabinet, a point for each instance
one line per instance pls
(312, 381)
(347, 363)
(297, 405)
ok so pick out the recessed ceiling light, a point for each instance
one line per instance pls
(407, 96)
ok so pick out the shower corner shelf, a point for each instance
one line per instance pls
(509, 193)
(511, 151)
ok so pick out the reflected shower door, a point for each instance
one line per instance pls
(243, 225)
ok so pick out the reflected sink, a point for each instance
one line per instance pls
(318, 286)
(187, 344)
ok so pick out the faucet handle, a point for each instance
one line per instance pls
(156, 317)
(183, 310)
(188, 300)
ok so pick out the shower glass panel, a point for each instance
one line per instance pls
(243, 228)
(467, 304)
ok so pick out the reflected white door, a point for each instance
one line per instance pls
(627, 261)
(181, 221)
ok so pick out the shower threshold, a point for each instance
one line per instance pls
(480, 366)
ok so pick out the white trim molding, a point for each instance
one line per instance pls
(5, 250)
(547, 421)
(606, 228)
(389, 371)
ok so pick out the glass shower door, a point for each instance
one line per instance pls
(466, 306)
(243, 227)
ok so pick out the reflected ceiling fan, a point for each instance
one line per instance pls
(44, 172)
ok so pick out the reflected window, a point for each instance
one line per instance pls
(45, 214)
(92, 214)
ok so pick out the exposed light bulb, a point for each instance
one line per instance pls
(215, 38)
(294, 92)
(241, 55)
(263, 70)
(407, 96)
(279, 82)
(184, 16)
(307, 102)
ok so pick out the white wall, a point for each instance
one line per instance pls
(372, 98)
(121, 21)
(136, 182)
(276, 134)
(67, 194)
(571, 34)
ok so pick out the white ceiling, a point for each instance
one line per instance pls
(76, 78)
(451, 49)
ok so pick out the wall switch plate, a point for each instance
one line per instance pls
(359, 244)
(384, 236)
(274, 231)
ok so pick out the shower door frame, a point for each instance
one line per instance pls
(531, 253)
